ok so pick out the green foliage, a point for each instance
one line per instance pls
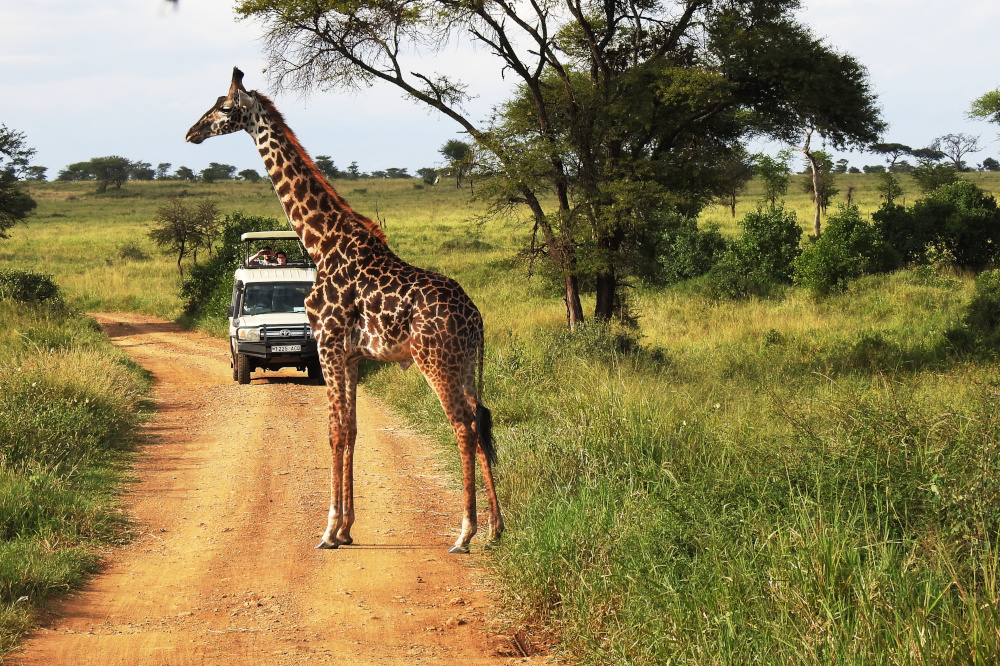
(689, 252)
(959, 217)
(29, 287)
(849, 248)
(774, 171)
(207, 289)
(930, 175)
(761, 259)
(15, 202)
(888, 188)
(980, 326)
(182, 228)
(825, 178)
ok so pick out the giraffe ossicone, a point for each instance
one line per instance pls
(369, 303)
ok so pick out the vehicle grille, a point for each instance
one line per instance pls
(296, 332)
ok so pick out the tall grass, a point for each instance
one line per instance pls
(69, 406)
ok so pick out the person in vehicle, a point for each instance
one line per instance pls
(264, 257)
(281, 258)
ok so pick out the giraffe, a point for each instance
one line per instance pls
(369, 303)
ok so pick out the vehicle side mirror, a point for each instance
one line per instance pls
(230, 311)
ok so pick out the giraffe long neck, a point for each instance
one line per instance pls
(316, 212)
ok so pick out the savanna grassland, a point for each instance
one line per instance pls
(800, 479)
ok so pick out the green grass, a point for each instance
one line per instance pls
(795, 480)
(69, 407)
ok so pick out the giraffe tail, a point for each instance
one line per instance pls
(484, 418)
(484, 427)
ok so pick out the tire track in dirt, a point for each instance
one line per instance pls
(232, 496)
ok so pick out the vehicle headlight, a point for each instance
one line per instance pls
(249, 334)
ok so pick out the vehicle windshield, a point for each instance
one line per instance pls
(267, 297)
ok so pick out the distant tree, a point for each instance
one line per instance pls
(36, 173)
(873, 168)
(459, 156)
(841, 166)
(931, 154)
(216, 171)
(892, 151)
(735, 173)
(162, 171)
(853, 169)
(179, 229)
(141, 171)
(327, 167)
(15, 203)
(395, 172)
(76, 171)
(185, 173)
(249, 175)
(902, 166)
(888, 188)
(956, 146)
(353, 172)
(208, 222)
(428, 174)
(930, 175)
(111, 169)
(379, 174)
(820, 180)
(990, 164)
(774, 172)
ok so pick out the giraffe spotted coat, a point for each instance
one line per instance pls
(368, 303)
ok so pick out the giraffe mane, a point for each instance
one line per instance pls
(279, 120)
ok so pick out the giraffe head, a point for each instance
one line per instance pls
(230, 113)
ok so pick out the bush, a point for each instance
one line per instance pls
(207, 289)
(29, 287)
(689, 252)
(848, 249)
(980, 327)
(761, 259)
(960, 218)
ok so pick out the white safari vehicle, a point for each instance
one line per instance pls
(268, 328)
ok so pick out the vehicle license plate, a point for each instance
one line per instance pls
(286, 348)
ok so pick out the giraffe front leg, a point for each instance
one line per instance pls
(336, 392)
(344, 533)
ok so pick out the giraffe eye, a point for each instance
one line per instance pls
(226, 109)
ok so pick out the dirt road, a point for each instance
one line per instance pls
(232, 496)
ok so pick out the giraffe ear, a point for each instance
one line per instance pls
(237, 83)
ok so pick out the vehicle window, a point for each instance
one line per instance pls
(266, 297)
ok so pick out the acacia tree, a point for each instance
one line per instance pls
(956, 146)
(182, 228)
(15, 202)
(621, 112)
(459, 155)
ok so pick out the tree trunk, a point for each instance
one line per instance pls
(816, 199)
(574, 309)
(607, 285)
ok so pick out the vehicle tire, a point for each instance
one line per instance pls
(235, 377)
(242, 369)
(315, 372)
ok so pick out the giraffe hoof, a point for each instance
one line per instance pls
(323, 545)
(459, 549)
(345, 540)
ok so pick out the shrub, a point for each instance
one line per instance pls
(207, 289)
(960, 218)
(849, 248)
(761, 259)
(980, 327)
(689, 252)
(29, 287)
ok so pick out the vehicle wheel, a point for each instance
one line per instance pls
(315, 371)
(242, 369)
(235, 377)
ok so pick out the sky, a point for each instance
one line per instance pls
(90, 78)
